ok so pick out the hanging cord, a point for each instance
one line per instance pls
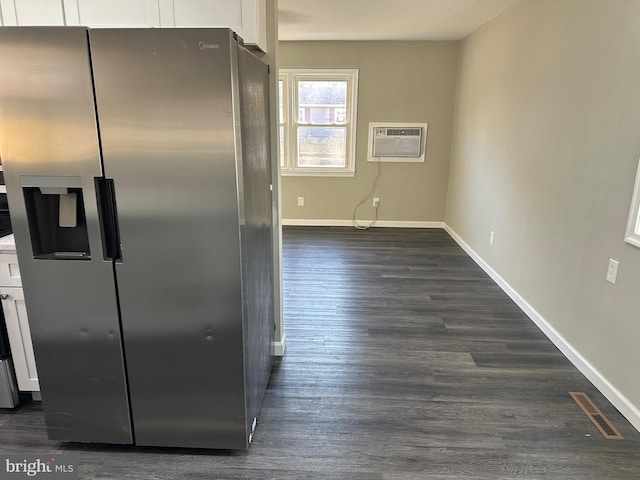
(375, 174)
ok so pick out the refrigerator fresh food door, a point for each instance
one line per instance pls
(256, 226)
(51, 157)
(165, 103)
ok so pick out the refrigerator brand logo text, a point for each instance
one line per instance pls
(205, 45)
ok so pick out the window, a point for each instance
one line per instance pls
(318, 122)
(282, 87)
(633, 225)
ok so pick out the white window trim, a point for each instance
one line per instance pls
(633, 224)
(285, 120)
(290, 75)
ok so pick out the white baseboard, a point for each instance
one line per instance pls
(279, 346)
(302, 222)
(622, 403)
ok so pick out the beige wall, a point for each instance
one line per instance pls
(398, 82)
(546, 144)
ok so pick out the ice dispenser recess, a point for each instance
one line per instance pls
(56, 216)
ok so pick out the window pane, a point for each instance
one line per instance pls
(322, 102)
(282, 146)
(322, 147)
(280, 102)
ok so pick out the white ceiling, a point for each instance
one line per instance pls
(384, 19)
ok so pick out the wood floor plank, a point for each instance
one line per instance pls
(404, 361)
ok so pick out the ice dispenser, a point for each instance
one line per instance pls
(56, 215)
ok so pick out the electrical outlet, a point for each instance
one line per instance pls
(612, 271)
(376, 202)
(492, 237)
(301, 201)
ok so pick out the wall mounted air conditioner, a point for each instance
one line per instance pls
(397, 142)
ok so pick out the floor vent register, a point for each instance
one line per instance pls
(602, 423)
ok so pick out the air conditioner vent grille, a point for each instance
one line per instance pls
(409, 132)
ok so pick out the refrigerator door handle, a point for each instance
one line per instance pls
(108, 213)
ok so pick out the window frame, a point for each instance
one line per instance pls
(632, 235)
(283, 122)
(290, 78)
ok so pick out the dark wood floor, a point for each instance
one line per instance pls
(404, 361)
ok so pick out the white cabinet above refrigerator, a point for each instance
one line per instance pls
(246, 17)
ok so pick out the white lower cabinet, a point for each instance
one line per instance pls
(15, 315)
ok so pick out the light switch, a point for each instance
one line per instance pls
(612, 271)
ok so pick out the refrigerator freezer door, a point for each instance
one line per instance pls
(166, 106)
(49, 147)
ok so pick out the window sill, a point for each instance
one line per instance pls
(315, 173)
(633, 240)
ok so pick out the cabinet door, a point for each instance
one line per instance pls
(113, 13)
(15, 316)
(246, 17)
(90, 13)
(32, 12)
(9, 271)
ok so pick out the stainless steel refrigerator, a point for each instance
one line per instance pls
(138, 177)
